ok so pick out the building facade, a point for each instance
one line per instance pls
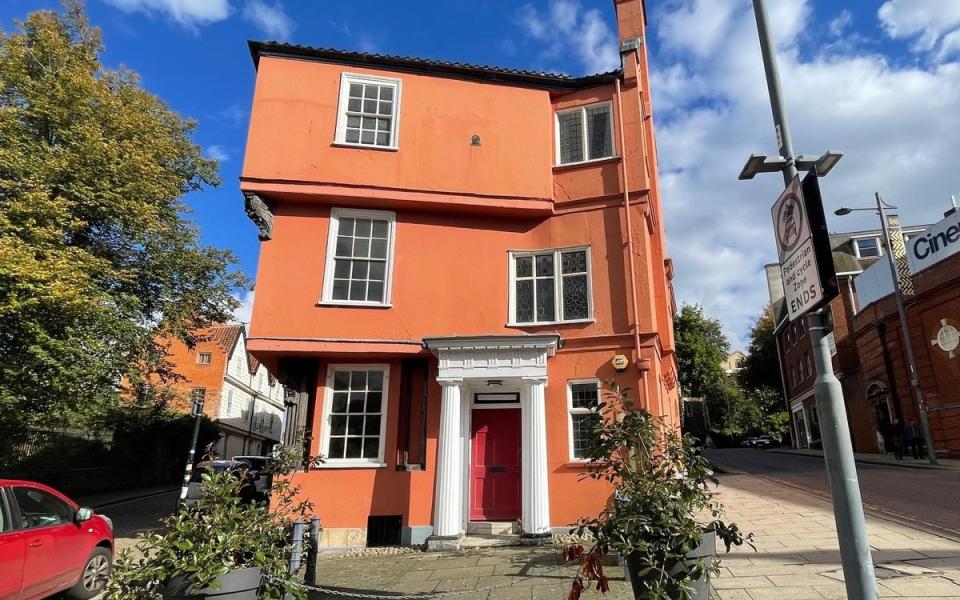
(239, 394)
(451, 257)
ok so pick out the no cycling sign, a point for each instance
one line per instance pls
(803, 244)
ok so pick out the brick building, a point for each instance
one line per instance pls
(240, 395)
(853, 253)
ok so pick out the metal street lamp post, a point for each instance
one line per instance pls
(904, 329)
(855, 556)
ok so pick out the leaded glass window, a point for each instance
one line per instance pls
(585, 133)
(368, 111)
(551, 286)
(584, 418)
(359, 263)
(356, 414)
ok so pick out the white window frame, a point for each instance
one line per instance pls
(512, 255)
(856, 246)
(350, 463)
(336, 214)
(202, 355)
(340, 134)
(586, 142)
(579, 411)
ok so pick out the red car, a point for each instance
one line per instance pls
(49, 544)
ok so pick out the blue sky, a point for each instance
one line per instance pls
(877, 79)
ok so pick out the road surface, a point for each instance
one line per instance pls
(927, 497)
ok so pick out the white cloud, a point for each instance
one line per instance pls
(839, 24)
(568, 30)
(271, 18)
(217, 152)
(897, 125)
(245, 310)
(925, 20)
(188, 13)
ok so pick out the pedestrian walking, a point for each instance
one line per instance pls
(911, 438)
(896, 438)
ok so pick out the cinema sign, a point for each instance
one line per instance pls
(938, 242)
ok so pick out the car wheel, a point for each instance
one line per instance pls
(94, 576)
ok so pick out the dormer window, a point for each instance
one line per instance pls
(368, 112)
(868, 247)
(584, 133)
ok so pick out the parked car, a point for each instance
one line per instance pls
(259, 466)
(249, 492)
(749, 442)
(50, 544)
(766, 441)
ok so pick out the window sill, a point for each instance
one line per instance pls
(365, 146)
(584, 163)
(579, 464)
(349, 465)
(550, 323)
(348, 304)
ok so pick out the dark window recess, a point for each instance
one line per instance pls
(497, 398)
(412, 434)
(383, 530)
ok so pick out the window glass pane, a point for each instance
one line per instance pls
(374, 400)
(344, 246)
(371, 91)
(524, 301)
(336, 447)
(525, 266)
(545, 300)
(574, 262)
(340, 289)
(868, 247)
(366, 137)
(380, 229)
(341, 380)
(383, 139)
(341, 268)
(355, 425)
(361, 247)
(358, 290)
(354, 447)
(598, 130)
(545, 265)
(362, 228)
(386, 93)
(378, 270)
(372, 425)
(356, 90)
(575, 297)
(369, 107)
(339, 402)
(375, 381)
(338, 424)
(378, 248)
(571, 136)
(375, 291)
(386, 108)
(584, 395)
(371, 447)
(584, 434)
(40, 509)
(353, 136)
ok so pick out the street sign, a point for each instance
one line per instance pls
(803, 244)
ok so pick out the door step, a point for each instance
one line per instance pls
(492, 528)
(489, 541)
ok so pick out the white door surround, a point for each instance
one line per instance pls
(468, 365)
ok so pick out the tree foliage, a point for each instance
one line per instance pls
(97, 258)
(761, 367)
(701, 347)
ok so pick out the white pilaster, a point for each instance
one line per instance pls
(536, 497)
(448, 505)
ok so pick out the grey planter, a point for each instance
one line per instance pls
(242, 584)
(705, 552)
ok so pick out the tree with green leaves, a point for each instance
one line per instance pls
(97, 257)
(760, 376)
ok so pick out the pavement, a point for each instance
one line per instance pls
(796, 557)
(916, 496)
(880, 459)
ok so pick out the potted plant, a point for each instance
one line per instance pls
(225, 546)
(662, 518)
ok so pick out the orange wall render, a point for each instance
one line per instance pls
(294, 118)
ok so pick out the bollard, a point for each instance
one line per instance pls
(312, 551)
(296, 552)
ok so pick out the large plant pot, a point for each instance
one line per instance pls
(242, 584)
(701, 587)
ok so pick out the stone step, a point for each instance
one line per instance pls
(489, 541)
(492, 528)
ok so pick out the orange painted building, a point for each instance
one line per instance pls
(451, 256)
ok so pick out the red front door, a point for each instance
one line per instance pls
(495, 465)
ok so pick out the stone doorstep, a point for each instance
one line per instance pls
(485, 528)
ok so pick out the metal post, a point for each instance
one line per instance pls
(905, 336)
(837, 450)
(841, 469)
(188, 470)
(312, 550)
(296, 551)
(772, 70)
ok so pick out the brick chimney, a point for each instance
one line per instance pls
(631, 24)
